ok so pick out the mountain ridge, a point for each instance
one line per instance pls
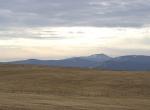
(102, 61)
(129, 62)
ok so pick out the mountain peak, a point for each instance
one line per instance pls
(128, 62)
(98, 57)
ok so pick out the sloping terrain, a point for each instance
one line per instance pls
(102, 61)
(71, 62)
(129, 63)
(82, 62)
(28, 87)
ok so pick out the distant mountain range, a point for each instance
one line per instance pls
(129, 63)
(102, 61)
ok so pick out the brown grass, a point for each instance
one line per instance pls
(31, 87)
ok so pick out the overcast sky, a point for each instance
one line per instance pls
(54, 29)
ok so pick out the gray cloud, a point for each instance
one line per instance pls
(35, 33)
(101, 13)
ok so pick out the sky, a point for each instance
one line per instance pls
(57, 29)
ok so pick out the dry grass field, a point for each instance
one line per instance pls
(44, 88)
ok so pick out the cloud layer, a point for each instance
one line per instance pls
(100, 13)
(64, 28)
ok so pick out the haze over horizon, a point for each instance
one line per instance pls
(56, 29)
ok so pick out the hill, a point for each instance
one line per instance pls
(102, 61)
(129, 63)
(82, 62)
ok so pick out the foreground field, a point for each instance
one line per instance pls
(43, 88)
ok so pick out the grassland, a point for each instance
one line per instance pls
(30, 87)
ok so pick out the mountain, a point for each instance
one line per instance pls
(71, 62)
(102, 61)
(130, 62)
(83, 62)
(98, 58)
